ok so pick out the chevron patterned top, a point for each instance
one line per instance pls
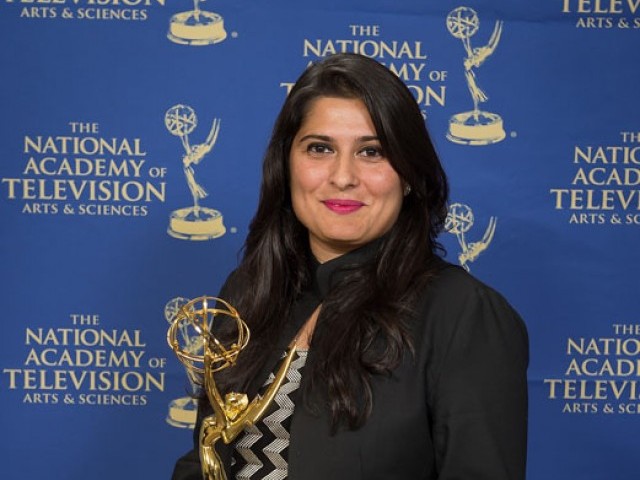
(261, 450)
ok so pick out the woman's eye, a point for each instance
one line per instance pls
(373, 152)
(319, 148)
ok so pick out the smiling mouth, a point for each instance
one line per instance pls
(343, 206)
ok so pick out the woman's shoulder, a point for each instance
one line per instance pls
(453, 300)
(453, 284)
(463, 324)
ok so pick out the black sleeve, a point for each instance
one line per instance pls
(479, 392)
(188, 467)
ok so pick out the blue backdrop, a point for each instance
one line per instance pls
(117, 115)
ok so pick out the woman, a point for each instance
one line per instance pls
(414, 368)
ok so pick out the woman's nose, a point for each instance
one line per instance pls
(343, 173)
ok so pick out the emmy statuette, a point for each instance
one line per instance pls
(475, 127)
(195, 222)
(233, 412)
(459, 221)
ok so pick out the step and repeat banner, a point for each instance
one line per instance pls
(131, 144)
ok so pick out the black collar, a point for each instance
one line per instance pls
(326, 275)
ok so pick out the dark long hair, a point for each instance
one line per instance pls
(374, 301)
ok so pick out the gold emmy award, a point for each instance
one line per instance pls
(193, 223)
(475, 127)
(233, 412)
(459, 221)
(196, 27)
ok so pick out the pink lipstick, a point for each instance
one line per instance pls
(342, 206)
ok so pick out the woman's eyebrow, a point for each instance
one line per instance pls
(327, 138)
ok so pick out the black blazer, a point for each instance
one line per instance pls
(456, 410)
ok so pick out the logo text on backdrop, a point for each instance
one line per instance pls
(87, 10)
(85, 172)
(600, 374)
(604, 188)
(603, 14)
(86, 363)
(406, 58)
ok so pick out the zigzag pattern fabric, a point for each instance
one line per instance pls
(261, 451)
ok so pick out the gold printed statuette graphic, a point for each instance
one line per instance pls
(183, 411)
(193, 223)
(233, 412)
(196, 27)
(475, 127)
(459, 221)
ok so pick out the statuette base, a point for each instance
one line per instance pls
(476, 128)
(205, 28)
(191, 224)
(182, 413)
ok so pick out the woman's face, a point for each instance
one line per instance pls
(343, 188)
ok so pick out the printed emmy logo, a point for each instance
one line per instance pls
(183, 411)
(196, 222)
(475, 127)
(196, 27)
(459, 221)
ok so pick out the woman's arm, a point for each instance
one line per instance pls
(479, 400)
